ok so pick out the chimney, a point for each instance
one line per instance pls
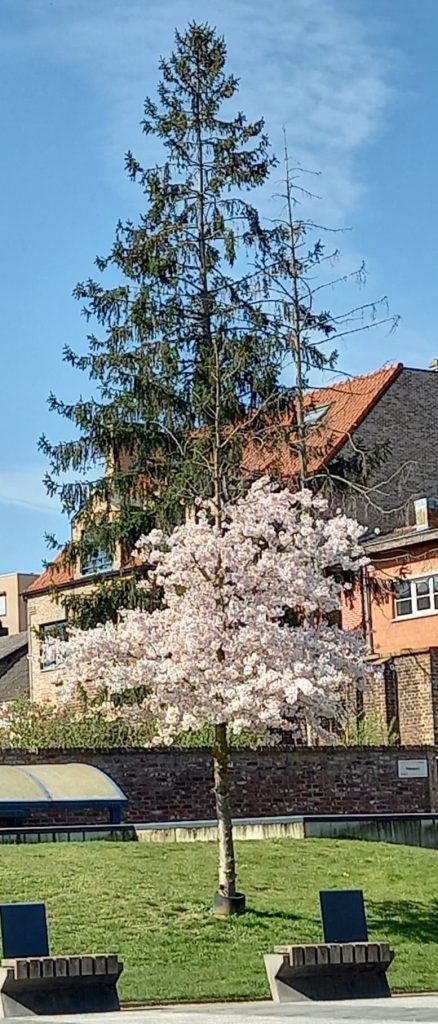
(426, 513)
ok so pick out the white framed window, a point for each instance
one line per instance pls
(3, 605)
(416, 597)
(57, 630)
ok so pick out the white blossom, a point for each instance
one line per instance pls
(219, 649)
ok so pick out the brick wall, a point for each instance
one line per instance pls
(433, 654)
(43, 609)
(165, 785)
(406, 696)
(375, 700)
(414, 692)
(352, 616)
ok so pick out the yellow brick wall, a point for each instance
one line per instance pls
(43, 609)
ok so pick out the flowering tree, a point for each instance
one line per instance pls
(242, 638)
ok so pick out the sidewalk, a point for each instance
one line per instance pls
(403, 1010)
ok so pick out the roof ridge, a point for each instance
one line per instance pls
(388, 368)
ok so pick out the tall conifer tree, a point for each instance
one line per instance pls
(182, 357)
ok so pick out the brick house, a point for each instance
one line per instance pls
(393, 405)
(396, 605)
(47, 613)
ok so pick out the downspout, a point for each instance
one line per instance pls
(29, 644)
(366, 609)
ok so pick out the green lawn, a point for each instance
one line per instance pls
(151, 904)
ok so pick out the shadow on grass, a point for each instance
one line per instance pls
(284, 926)
(275, 915)
(404, 919)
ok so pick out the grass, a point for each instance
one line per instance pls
(151, 905)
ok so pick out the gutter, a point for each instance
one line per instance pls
(366, 609)
(78, 581)
(393, 541)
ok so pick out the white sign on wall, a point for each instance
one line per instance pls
(413, 769)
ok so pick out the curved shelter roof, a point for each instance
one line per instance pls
(63, 785)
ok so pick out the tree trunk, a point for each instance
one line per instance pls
(227, 869)
(295, 339)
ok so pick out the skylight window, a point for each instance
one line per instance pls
(314, 415)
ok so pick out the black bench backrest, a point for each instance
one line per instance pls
(24, 929)
(343, 915)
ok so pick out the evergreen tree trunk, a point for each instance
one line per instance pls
(295, 339)
(227, 870)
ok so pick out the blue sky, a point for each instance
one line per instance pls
(354, 81)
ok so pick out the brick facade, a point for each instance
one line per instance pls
(412, 696)
(405, 696)
(164, 785)
(41, 610)
(375, 701)
(415, 682)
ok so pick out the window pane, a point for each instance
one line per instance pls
(2, 604)
(435, 583)
(55, 629)
(403, 608)
(422, 587)
(402, 588)
(422, 590)
(58, 630)
(98, 561)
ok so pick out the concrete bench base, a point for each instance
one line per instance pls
(59, 985)
(353, 970)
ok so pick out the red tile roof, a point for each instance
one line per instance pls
(56, 575)
(348, 401)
